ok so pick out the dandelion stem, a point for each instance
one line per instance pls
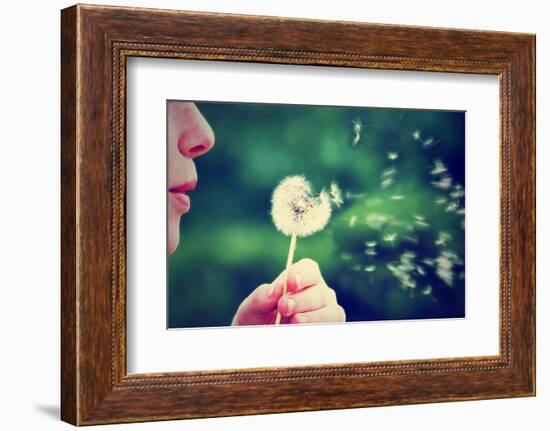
(289, 260)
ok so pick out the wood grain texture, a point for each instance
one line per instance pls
(96, 41)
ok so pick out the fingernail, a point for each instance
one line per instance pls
(291, 305)
(270, 291)
(298, 281)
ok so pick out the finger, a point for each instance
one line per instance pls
(264, 298)
(303, 274)
(332, 314)
(300, 275)
(311, 298)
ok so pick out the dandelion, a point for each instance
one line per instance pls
(336, 195)
(298, 212)
(416, 135)
(392, 156)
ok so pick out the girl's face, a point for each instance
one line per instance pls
(189, 136)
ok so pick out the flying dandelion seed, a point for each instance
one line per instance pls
(397, 197)
(392, 156)
(386, 183)
(336, 195)
(370, 252)
(458, 192)
(444, 182)
(445, 263)
(375, 221)
(357, 129)
(440, 201)
(390, 237)
(443, 238)
(352, 221)
(371, 243)
(420, 270)
(430, 142)
(370, 268)
(402, 270)
(421, 221)
(439, 168)
(387, 173)
(426, 291)
(350, 195)
(346, 256)
(452, 207)
(387, 177)
(461, 211)
(298, 212)
(416, 135)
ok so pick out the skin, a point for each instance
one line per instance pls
(308, 298)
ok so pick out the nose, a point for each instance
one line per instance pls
(197, 138)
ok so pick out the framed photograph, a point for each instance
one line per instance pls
(329, 214)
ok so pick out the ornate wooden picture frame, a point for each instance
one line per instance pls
(96, 41)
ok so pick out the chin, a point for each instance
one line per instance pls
(173, 234)
(172, 244)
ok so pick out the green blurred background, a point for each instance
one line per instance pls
(394, 250)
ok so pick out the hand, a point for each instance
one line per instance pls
(308, 299)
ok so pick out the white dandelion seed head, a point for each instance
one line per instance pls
(296, 209)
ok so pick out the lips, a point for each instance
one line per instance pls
(179, 198)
